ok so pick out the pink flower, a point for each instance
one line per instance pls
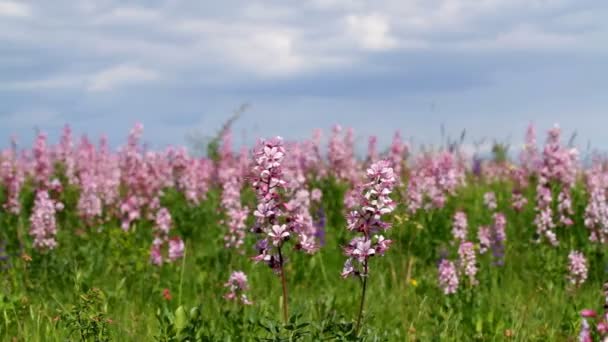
(362, 250)
(468, 261)
(176, 248)
(163, 220)
(278, 234)
(489, 199)
(237, 285)
(374, 202)
(448, 277)
(156, 256)
(577, 268)
(460, 226)
(316, 195)
(43, 222)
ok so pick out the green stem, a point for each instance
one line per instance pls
(364, 288)
(284, 284)
(181, 278)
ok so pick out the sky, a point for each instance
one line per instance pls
(183, 67)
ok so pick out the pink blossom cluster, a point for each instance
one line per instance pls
(557, 170)
(460, 226)
(298, 164)
(449, 272)
(42, 163)
(65, 153)
(367, 219)
(448, 277)
(12, 176)
(432, 179)
(43, 223)
(231, 175)
(175, 245)
(493, 237)
(489, 199)
(529, 157)
(274, 220)
(468, 261)
(341, 156)
(237, 287)
(577, 268)
(397, 154)
(192, 176)
(596, 212)
(518, 201)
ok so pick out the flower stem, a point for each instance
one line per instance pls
(284, 284)
(364, 287)
(181, 278)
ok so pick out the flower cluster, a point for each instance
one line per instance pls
(270, 214)
(557, 170)
(489, 199)
(494, 237)
(448, 277)
(596, 212)
(432, 179)
(577, 268)
(460, 226)
(43, 223)
(367, 219)
(175, 246)
(468, 261)
(237, 286)
(341, 156)
(231, 177)
(12, 177)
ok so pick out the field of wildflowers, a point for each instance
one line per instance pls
(133, 244)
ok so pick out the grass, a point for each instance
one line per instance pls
(528, 299)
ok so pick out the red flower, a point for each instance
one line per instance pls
(167, 294)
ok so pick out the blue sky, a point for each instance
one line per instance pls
(488, 66)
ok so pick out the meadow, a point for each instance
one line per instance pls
(282, 240)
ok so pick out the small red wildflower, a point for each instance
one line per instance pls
(167, 294)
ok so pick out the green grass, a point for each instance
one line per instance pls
(526, 300)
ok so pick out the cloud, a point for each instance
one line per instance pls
(372, 31)
(344, 60)
(14, 9)
(120, 75)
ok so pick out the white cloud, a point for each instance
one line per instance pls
(14, 9)
(372, 31)
(120, 75)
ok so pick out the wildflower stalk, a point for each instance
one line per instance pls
(181, 278)
(284, 285)
(366, 219)
(363, 291)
